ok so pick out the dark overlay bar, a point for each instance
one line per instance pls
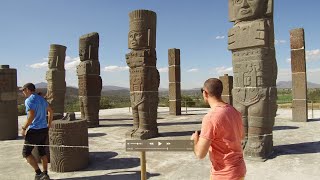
(159, 145)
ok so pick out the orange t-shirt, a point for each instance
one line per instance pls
(223, 127)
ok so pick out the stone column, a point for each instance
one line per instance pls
(299, 76)
(227, 82)
(174, 82)
(144, 76)
(251, 41)
(8, 103)
(68, 133)
(55, 77)
(90, 82)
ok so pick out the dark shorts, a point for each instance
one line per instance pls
(37, 137)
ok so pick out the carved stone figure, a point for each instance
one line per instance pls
(56, 79)
(8, 103)
(251, 41)
(174, 82)
(68, 133)
(227, 82)
(144, 76)
(299, 76)
(90, 82)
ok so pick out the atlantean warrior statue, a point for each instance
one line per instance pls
(56, 79)
(144, 76)
(251, 41)
(90, 83)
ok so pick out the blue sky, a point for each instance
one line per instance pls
(198, 28)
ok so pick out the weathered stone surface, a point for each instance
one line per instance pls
(89, 80)
(251, 41)
(8, 103)
(299, 77)
(174, 91)
(68, 133)
(174, 57)
(175, 107)
(299, 110)
(227, 82)
(144, 76)
(174, 73)
(55, 77)
(297, 39)
(298, 61)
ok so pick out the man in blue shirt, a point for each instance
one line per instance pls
(35, 130)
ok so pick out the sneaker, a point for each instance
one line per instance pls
(42, 176)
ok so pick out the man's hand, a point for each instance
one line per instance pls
(23, 132)
(195, 137)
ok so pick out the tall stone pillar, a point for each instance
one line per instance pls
(55, 77)
(90, 82)
(8, 103)
(299, 76)
(227, 82)
(174, 82)
(251, 41)
(144, 76)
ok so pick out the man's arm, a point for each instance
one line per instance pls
(201, 145)
(30, 118)
(50, 116)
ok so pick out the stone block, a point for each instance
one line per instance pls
(174, 57)
(69, 133)
(297, 39)
(174, 91)
(90, 85)
(175, 107)
(174, 74)
(299, 86)
(8, 120)
(299, 110)
(298, 61)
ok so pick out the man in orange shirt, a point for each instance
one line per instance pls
(221, 135)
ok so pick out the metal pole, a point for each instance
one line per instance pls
(312, 108)
(143, 166)
(185, 103)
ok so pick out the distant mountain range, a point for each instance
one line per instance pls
(280, 84)
(288, 84)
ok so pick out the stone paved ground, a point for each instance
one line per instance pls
(296, 145)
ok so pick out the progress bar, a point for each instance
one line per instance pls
(159, 145)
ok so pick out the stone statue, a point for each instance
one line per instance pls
(55, 77)
(144, 76)
(174, 82)
(90, 82)
(251, 41)
(8, 103)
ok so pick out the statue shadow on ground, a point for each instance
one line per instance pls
(193, 114)
(178, 123)
(117, 119)
(181, 133)
(122, 175)
(313, 120)
(96, 134)
(300, 148)
(107, 161)
(276, 128)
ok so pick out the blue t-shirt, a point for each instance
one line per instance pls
(39, 105)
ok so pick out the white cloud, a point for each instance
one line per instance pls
(224, 70)
(163, 70)
(39, 65)
(313, 55)
(220, 37)
(288, 60)
(72, 63)
(276, 42)
(115, 68)
(193, 70)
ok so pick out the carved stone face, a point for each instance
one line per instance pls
(51, 63)
(249, 9)
(137, 39)
(82, 54)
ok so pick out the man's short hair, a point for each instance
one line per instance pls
(29, 86)
(214, 87)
